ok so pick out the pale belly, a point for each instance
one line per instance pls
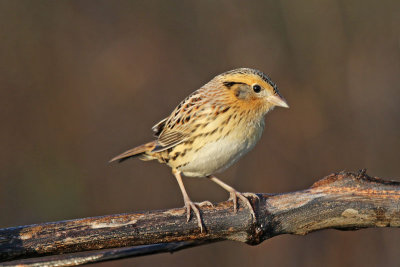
(217, 156)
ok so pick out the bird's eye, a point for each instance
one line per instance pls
(256, 88)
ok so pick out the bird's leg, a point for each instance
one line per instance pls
(234, 195)
(189, 205)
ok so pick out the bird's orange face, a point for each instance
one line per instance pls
(251, 90)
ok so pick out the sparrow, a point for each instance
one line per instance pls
(211, 129)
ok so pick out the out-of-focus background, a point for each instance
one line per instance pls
(81, 81)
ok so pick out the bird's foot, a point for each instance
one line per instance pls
(189, 205)
(234, 195)
(251, 195)
(204, 203)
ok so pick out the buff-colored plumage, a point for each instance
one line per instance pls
(212, 128)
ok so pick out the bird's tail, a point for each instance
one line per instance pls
(137, 151)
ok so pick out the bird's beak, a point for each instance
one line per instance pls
(277, 101)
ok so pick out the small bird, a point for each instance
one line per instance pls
(211, 129)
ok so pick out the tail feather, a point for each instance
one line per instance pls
(134, 152)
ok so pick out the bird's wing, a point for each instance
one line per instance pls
(182, 122)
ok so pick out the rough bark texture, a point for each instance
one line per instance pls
(341, 201)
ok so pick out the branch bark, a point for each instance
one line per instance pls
(345, 201)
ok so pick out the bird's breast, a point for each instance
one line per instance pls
(217, 154)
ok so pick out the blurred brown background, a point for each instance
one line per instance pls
(82, 81)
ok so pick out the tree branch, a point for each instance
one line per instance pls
(345, 201)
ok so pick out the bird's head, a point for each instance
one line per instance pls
(251, 89)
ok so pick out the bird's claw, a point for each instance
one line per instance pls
(234, 195)
(189, 205)
(251, 195)
(205, 203)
